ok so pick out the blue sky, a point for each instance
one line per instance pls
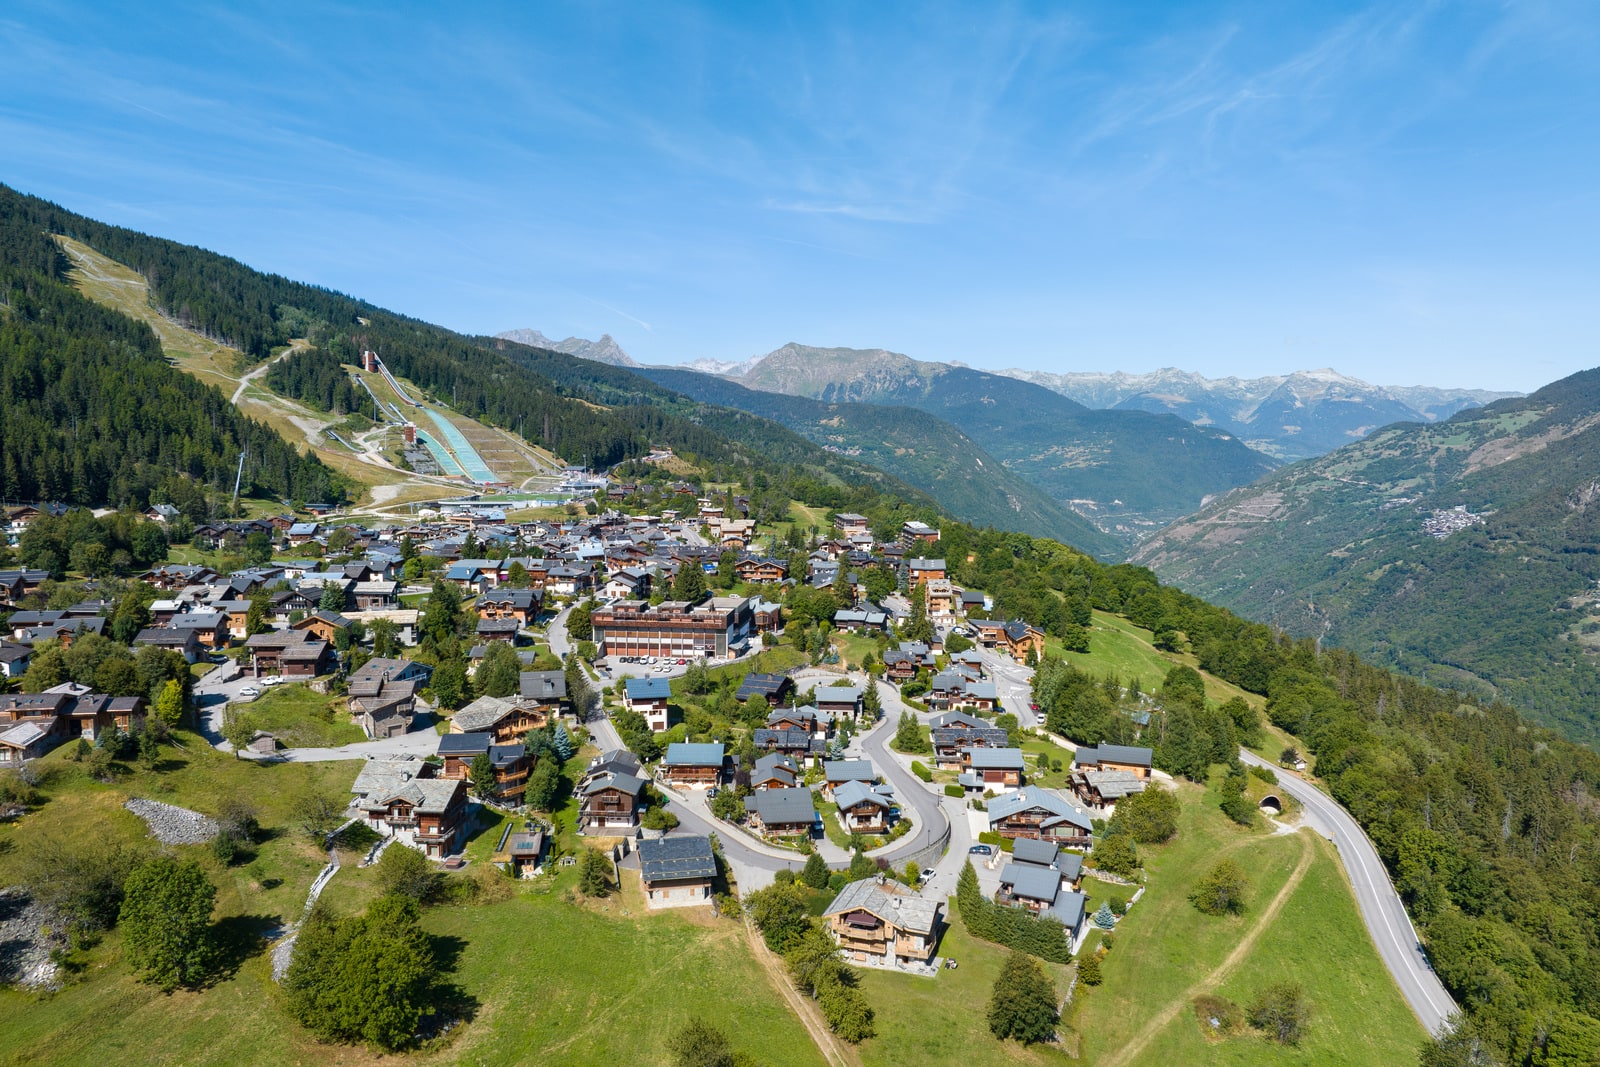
(1405, 192)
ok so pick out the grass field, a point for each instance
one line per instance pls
(555, 982)
(1167, 953)
(1115, 644)
(302, 718)
(924, 1022)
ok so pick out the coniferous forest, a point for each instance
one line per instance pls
(91, 412)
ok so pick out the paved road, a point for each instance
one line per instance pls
(1014, 683)
(911, 791)
(1380, 905)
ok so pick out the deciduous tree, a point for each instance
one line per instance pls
(166, 922)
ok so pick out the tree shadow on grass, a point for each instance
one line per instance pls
(238, 938)
(452, 1005)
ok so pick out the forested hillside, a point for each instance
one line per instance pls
(1489, 826)
(918, 448)
(1464, 552)
(90, 411)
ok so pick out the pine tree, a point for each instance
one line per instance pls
(1103, 917)
(561, 742)
(1023, 1004)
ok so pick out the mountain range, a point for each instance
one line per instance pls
(1129, 472)
(1289, 416)
(915, 447)
(1466, 551)
(605, 350)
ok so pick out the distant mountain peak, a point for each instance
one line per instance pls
(605, 350)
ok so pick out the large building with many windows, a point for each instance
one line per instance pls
(717, 628)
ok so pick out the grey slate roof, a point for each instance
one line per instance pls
(676, 857)
(997, 759)
(1132, 754)
(464, 744)
(852, 793)
(782, 807)
(913, 913)
(1042, 853)
(1030, 796)
(483, 713)
(848, 770)
(543, 685)
(1032, 881)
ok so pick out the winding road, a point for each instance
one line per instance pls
(1380, 905)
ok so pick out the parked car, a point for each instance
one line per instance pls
(249, 692)
(273, 679)
(982, 850)
(927, 872)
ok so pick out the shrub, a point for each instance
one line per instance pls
(405, 872)
(1089, 970)
(1266, 774)
(921, 771)
(1221, 890)
(951, 789)
(1117, 855)
(1218, 1017)
(1280, 1013)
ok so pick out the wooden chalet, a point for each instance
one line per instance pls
(879, 921)
(677, 871)
(1036, 812)
(694, 766)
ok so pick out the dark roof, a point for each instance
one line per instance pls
(1032, 881)
(543, 685)
(782, 807)
(1027, 850)
(767, 685)
(683, 754)
(676, 857)
(464, 744)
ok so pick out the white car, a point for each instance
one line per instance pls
(249, 692)
(272, 680)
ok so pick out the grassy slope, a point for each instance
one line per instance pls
(1115, 644)
(294, 714)
(1165, 947)
(556, 983)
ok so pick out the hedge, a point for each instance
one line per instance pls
(921, 771)
(951, 789)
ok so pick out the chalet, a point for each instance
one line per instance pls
(992, 768)
(182, 641)
(798, 744)
(211, 627)
(836, 773)
(376, 595)
(861, 620)
(326, 625)
(14, 659)
(611, 801)
(507, 720)
(510, 763)
(808, 718)
(544, 690)
(289, 653)
(781, 812)
(1043, 891)
(473, 575)
(523, 852)
(774, 771)
(397, 798)
(900, 666)
(940, 598)
(677, 871)
(1131, 759)
(864, 808)
(766, 616)
(838, 701)
(1016, 639)
(383, 695)
(879, 921)
(972, 600)
(648, 697)
(761, 570)
(951, 744)
(1102, 789)
(564, 579)
(692, 766)
(956, 719)
(497, 630)
(302, 533)
(1031, 852)
(171, 576)
(629, 583)
(736, 533)
(773, 688)
(64, 629)
(1035, 812)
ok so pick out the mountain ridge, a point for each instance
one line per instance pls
(1291, 416)
(1129, 472)
(1462, 551)
(605, 350)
